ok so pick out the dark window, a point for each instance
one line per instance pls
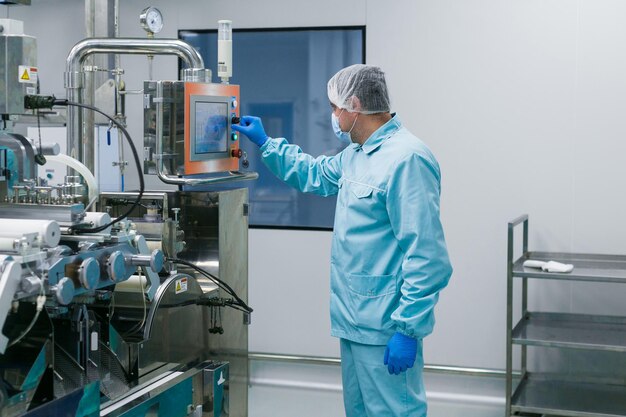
(283, 75)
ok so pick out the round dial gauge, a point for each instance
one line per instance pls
(151, 20)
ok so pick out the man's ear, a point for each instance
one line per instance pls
(356, 104)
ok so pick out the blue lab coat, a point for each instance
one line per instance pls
(389, 258)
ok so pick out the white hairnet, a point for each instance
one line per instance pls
(365, 82)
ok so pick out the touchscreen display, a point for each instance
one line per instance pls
(211, 127)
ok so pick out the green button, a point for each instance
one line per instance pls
(234, 136)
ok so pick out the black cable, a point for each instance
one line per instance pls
(39, 158)
(39, 130)
(216, 280)
(208, 302)
(237, 307)
(61, 102)
(211, 277)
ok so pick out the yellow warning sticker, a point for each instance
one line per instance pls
(27, 74)
(181, 285)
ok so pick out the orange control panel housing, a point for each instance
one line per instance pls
(226, 161)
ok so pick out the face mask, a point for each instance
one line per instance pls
(344, 137)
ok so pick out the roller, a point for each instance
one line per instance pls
(8, 244)
(132, 284)
(154, 244)
(99, 219)
(48, 231)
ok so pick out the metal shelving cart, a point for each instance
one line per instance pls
(552, 394)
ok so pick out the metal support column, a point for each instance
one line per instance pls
(509, 307)
(99, 23)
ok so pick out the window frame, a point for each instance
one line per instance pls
(361, 28)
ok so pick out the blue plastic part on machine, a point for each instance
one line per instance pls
(65, 291)
(116, 267)
(83, 402)
(89, 405)
(36, 371)
(121, 271)
(158, 260)
(89, 274)
(11, 166)
(218, 374)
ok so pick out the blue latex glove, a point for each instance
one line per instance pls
(400, 353)
(252, 127)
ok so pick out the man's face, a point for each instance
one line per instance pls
(343, 117)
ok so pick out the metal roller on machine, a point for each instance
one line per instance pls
(48, 232)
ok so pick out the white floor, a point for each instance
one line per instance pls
(298, 402)
(287, 390)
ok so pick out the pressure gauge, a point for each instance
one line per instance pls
(151, 20)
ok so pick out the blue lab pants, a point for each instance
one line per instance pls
(370, 391)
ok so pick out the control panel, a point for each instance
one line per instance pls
(210, 143)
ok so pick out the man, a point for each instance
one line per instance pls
(389, 258)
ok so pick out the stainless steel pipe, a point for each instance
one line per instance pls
(126, 46)
(323, 360)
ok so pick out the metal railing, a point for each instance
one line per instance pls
(322, 360)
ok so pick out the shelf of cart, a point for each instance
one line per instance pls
(543, 394)
(587, 267)
(575, 331)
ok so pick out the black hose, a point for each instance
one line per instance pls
(216, 280)
(61, 102)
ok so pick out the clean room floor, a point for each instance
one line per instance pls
(298, 402)
(290, 390)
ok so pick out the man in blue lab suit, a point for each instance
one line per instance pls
(389, 258)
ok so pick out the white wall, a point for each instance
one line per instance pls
(521, 101)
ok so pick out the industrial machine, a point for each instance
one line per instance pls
(123, 303)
